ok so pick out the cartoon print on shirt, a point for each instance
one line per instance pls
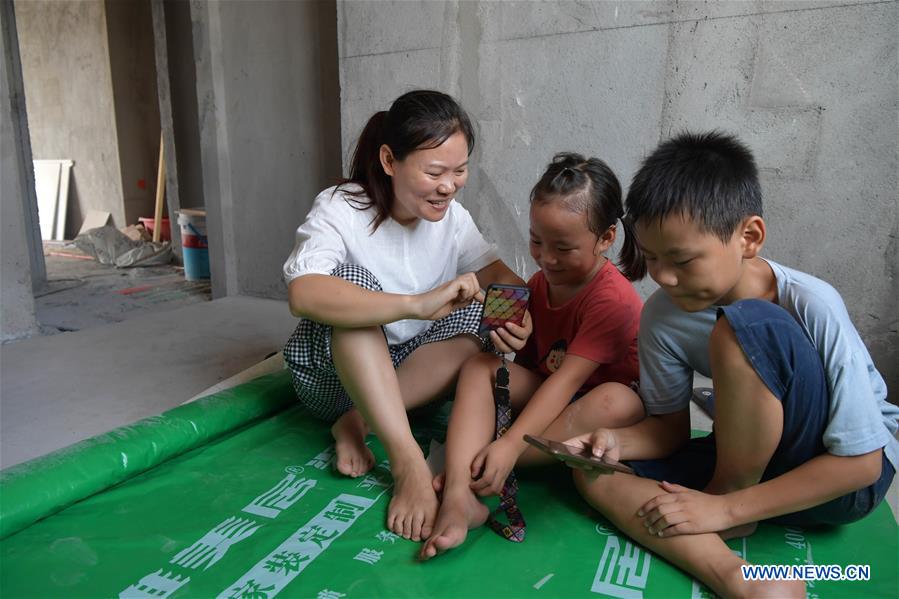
(555, 355)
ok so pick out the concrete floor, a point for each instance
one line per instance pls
(118, 345)
(59, 389)
(82, 293)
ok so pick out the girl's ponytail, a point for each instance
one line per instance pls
(630, 259)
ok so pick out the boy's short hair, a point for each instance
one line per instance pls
(709, 177)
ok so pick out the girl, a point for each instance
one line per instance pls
(383, 275)
(585, 318)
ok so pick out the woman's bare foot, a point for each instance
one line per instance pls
(459, 512)
(354, 458)
(736, 586)
(413, 508)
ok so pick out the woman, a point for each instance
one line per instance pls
(384, 273)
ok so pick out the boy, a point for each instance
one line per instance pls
(803, 432)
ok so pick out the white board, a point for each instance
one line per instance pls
(51, 184)
(46, 186)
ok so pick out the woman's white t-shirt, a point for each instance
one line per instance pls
(407, 259)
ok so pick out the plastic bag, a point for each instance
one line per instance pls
(110, 246)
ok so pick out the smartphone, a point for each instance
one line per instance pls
(502, 304)
(576, 455)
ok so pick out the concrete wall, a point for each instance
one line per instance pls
(269, 131)
(810, 86)
(90, 83)
(68, 89)
(183, 81)
(133, 70)
(18, 214)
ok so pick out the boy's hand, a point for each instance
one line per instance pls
(601, 442)
(685, 511)
(491, 467)
(511, 337)
(441, 301)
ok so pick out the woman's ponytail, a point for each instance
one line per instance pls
(366, 155)
(367, 172)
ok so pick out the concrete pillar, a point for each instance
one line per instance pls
(269, 129)
(21, 261)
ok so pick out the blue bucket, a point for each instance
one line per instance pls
(194, 244)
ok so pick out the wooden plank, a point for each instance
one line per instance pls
(160, 191)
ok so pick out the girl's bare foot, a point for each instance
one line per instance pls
(459, 512)
(354, 458)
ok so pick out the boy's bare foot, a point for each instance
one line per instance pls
(459, 512)
(354, 458)
(744, 530)
(413, 507)
(438, 483)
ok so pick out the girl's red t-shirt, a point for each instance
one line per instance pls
(600, 324)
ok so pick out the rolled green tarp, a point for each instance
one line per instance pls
(45, 485)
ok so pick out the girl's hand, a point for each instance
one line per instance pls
(511, 337)
(491, 467)
(685, 511)
(441, 301)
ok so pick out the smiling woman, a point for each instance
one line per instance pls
(385, 274)
(420, 145)
(426, 182)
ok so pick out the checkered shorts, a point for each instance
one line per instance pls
(308, 351)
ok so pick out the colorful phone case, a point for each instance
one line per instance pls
(503, 303)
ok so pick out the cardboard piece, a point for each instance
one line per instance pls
(94, 219)
(137, 233)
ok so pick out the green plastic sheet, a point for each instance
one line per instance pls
(258, 512)
(38, 488)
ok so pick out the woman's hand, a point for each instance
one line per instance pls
(491, 467)
(441, 301)
(512, 337)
